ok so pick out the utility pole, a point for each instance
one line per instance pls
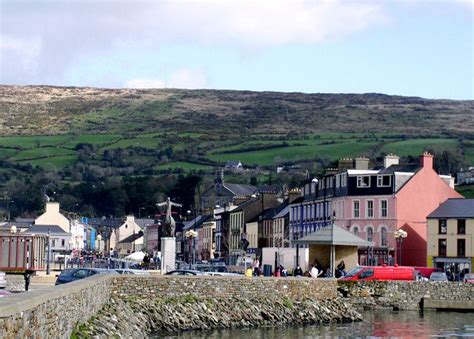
(48, 271)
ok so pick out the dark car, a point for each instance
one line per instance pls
(184, 272)
(73, 274)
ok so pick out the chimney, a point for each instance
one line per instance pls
(268, 200)
(52, 207)
(293, 195)
(390, 159)
(329, 171)
(362, 163)
(426, 160)
(345, 163)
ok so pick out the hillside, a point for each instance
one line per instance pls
(166, 129)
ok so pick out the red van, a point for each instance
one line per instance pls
(381, 273)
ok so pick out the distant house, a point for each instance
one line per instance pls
(465, 177)
(450, 234)
(225, 194)
(234, 165)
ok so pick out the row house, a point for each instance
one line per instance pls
(240, 216)
(373, 204)
(451, 236)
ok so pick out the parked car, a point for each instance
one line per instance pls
(380, 273)
(3, 280)
(469, 277)
(223, 274)
(126, 271)
(73, 274)
(4, 293)
(184, 272)
(438, 276)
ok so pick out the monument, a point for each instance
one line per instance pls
(168, 240)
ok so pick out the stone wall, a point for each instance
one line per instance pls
(236, 287)
(53, 312)
(402, 295)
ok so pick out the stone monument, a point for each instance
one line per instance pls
(168, 240)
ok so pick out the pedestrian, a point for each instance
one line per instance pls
(314, 271)
(298, 272)
(256, 265)
(146, 261)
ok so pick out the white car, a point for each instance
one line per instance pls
(3, 280)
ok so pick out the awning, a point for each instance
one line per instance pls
(333, 235)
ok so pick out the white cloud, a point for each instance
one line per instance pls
(182, 78)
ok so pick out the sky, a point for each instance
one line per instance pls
(404, 47)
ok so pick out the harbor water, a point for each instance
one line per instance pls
(376, 324)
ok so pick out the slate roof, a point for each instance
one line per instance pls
(283, 212)
(408, 168)
(197, 222)
(43, 229)
(132, 237)
(454, 208)
(241, 189)
(333, 235)
(106, 222)
(144, 222)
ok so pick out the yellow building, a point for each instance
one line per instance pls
(451, 235)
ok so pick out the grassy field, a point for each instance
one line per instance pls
(41, 152)
(56, 162)
(415, 147)
(33, 141)
(6, 153)
(294, 153)
(186, 166)
(93, 139)
(467, 191)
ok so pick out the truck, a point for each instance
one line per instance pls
(22, 254)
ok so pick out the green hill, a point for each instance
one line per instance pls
(166, 129)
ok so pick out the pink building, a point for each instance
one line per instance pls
(374, 214)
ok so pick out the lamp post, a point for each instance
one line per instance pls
(48, 258)
(192, 234)
(400, 235)
(13, 229)
(99, 239)
(8, 207)
(140, 212)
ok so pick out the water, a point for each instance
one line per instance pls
(376, 324)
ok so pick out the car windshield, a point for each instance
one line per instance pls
(354, 271)
(68, 272)
(438, 276)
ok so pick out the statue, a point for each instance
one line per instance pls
(169, 226)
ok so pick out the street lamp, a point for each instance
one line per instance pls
(400, 235)
(8, 208)
(13, 229)
(140, 212)
(192, 234)
(99, 239)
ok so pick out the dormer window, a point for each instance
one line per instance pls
(363, 181)
(384, 180)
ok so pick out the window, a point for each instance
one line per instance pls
(343, 180)
(63, 242)
(461, 247)
(384, 181)
(363, 181)
(443, 228)
(461, 226)
(370, 208)
(370, 234)
(383, 208)
(383, 236)
(442, 247)
(356, 209)
(356, 230)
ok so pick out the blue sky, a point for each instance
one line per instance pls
(410, 47)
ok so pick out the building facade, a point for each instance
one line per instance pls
(451, 237)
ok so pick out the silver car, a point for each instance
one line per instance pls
(438, 276)
(3, 280)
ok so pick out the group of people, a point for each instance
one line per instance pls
(316, 270)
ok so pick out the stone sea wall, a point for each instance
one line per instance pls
(402, 295)
(54, 312)
(168, 315)
(256, 288)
